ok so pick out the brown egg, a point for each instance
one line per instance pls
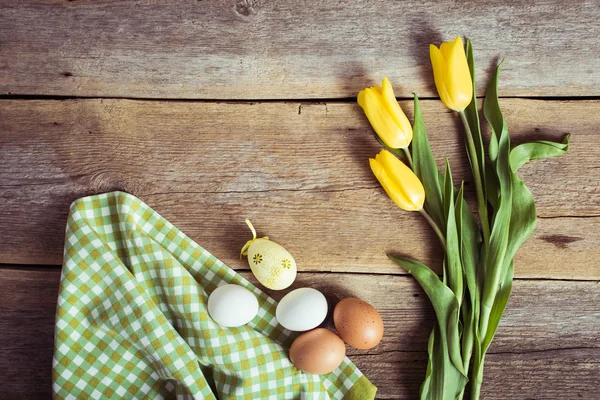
(358, 323)
(319, 351)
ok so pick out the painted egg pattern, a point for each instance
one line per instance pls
(271, 264)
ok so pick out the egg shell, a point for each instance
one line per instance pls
(358, 323)
(232, 305)
(302, 309)
(271, 264)
(319, 351)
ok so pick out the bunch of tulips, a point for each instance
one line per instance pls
(478, 268)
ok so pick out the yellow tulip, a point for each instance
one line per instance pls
(385, 115)
(451, 74)
(399, 182)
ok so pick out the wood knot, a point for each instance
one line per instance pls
(247, 8)
(561, 241)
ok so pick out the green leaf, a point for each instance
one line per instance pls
(445, 381)
(491, 107)
(444, 304)
(439, 376)
(454, 266)
(499, 305)
(493, 148)
(425, 387)
(454, 345)
(523, 217)
(535, 150)
(469, 245)
(468, 334)
(492, 187)
(449, 382)
(448, 190)
(442, 298)
(470, 241)
(501, 221)
(472, 115)
(425, 168)
(492, 113)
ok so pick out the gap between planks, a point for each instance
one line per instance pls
(54, 268)
(307, 100)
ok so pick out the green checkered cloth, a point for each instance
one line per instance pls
(132, 321)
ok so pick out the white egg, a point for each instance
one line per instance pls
(271, 264)
(232, 305)
(302, 309)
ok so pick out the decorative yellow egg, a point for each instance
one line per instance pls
(270, 263)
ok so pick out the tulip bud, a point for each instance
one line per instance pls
(400, 182)
(451, 74)
(385, 115)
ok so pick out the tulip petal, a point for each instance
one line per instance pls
(361, 98)
(392, 190)
(439, 73)
(446, 48)
(381, 120)
(389, 99)
(457, 76)
(412, 191)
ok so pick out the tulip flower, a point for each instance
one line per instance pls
(400, 182)
(385, 115)
(451, 74)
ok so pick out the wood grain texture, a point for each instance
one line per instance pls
(298, 171)
(256, 49)
(27, 308)
(546, 346)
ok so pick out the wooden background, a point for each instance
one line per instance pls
(216, 111)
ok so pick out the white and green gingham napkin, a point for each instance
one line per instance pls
(132, 321)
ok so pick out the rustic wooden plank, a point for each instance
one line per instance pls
(299, 171)
(251, 49)
(27, 307)
(546, 346)
(557, 374)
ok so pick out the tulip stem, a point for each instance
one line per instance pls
(481, 203)
(408, 157)
(434, 226)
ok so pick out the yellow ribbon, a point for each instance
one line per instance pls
(244, 251)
